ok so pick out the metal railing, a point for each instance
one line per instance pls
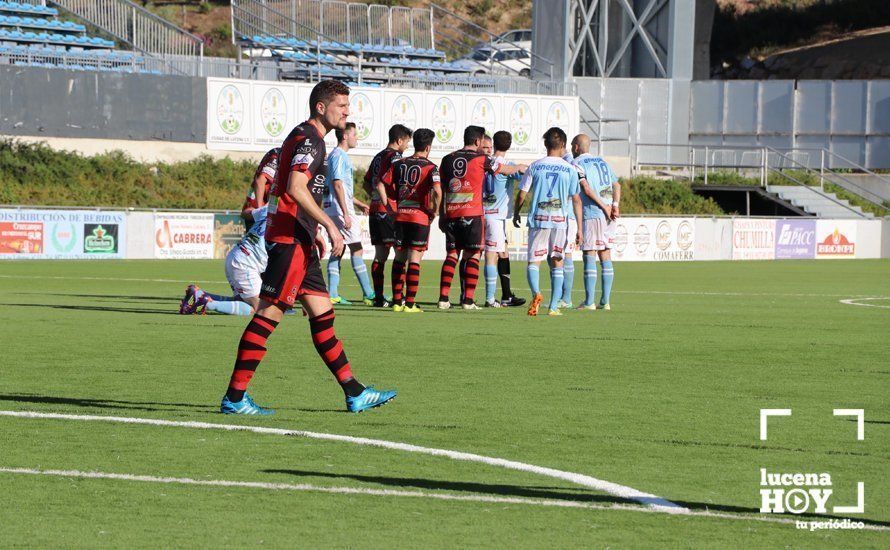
(829, 164)
(348, 22)
(460, 37)
(599, 125)
(136, 26)
(701, 160)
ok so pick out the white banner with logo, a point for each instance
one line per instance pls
(713, 238)
(835, 239)
(245, 115)
(654, 239)
(753, 239)
(62, 234)
(274, 113)
(444, 114)
(183, 235)
(520, 118)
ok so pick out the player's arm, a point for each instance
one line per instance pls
(585, 187)
(577, 207)
(340, 195)
(363, 208)
(298, 190)
(616, 198)
(258, 190)
(386, 178)
(517, 208)
(511, 169)
(524, 185)
(436, 198)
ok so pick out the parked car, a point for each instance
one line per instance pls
(498, 59)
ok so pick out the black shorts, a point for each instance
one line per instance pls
(465, 233)
(415, 236)
(382, 229)
(293, 270)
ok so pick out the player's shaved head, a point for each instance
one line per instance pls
(580, 144)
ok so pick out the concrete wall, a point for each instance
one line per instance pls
(85, 104)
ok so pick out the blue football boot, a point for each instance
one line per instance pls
(369, 399)
(245, 406)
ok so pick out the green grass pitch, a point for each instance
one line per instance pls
(661, 394)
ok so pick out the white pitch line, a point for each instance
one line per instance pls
(394, 493)
(574, 291)
(579, 479)
(855, 302)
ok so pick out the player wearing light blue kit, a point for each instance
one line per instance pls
(601, 192)
(244, 266)
(496, 200)
(554, 187)
(340, 204)
(568, 267)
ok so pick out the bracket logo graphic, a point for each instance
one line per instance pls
(798, 492)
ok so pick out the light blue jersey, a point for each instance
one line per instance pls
(339, 168)
(251, 250)
(498, 192)
(600, 178)
(551, 183)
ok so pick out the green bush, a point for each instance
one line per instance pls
(648, 195)
(35, 175)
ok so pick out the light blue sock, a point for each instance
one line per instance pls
(230, 307)
(568, 270)
(589, 280)
(361, 273)
(334, 276)
(556, 280)
(608, 277)
(491, 281)
(533, 273)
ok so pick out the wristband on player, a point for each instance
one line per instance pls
(614, 205)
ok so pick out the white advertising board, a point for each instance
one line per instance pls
(183, 235)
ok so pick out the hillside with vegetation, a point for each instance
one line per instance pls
(35, 175)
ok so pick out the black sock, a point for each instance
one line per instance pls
(352, 387)
(504, 273)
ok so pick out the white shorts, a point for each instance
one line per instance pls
(245, 279)
(571, 233)
(598, 234)
(495, 235)
(546, 243)
(354, 235)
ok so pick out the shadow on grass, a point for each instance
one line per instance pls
(552, 493)
(113, 404)
(465, 486)
(110, 309)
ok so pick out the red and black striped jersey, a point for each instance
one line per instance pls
(303, 151)
(414, 179)
(266, 169)
(380, 165)
(464, 175)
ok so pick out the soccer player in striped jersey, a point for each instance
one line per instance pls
(416, 180)
(554, 187)
(383, 206)
(497, 197)
(258, 195)
(600, 197)
(340, 205)
(293, 272)
(244, 265)
(463, 173)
